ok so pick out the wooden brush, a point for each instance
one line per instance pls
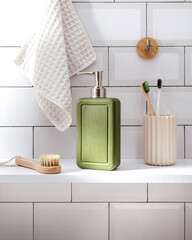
(145, 88)
(49, 163)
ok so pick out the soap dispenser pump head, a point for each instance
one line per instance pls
(98, 91)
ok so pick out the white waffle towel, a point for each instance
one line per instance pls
(56, 51)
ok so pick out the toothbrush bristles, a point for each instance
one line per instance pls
(146, 87)
(49, 160)
(159, 83)
(159, 86)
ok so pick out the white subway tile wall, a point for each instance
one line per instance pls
(100, 65)
(20, 108)
(113, 24)
(170, 23)
(16, 221)
(74, 221)
(16, 141)
(31, 192)
(128, 69)
(49, 139)
(18, 20)
(133, 105)
(150, 220)
(114, 28)
(101, 192)
(176, 101)
(10, 75)
(170, 192)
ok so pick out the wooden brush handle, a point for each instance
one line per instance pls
(151, 110)
(28, 163)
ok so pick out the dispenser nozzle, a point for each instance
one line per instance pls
(98, 91)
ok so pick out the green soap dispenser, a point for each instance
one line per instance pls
(98, 129)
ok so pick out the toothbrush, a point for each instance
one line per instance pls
(145, 88)
(159, 86)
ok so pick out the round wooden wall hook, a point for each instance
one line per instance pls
(147, 48)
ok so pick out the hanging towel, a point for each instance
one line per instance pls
(56, 51)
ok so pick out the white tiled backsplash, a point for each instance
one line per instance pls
(114, 29)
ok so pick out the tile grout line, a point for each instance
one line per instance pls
(108, 65)
(184, 143)
(184, 220)
(74, 125)
(33, 142)
(146, 18)
(136, 2)
(134, 201)
(71, 192)
(135, 86)
(108, 86)
(33, 237)
(122, 46)
(109, 220)
(184, 65)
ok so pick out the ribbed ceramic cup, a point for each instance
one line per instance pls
(160, 139)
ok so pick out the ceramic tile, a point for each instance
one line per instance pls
(147, 221)
(114, 29)
(49, 139)
(188, 142)
(131, 114)
(109, 192)
(19, 107)
(101, 64)
(127, 68)
(10, 75)
(35, 192)
(131, 142)
(132, 104)
(170, 23)
(188, 65)
(170, 192)
(76, 94)
(175, 101)
(180, 142)
(15, 141)
(188, 221)
(89, 220)
(18, 23)
(16, 221)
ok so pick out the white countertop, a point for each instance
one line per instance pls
(130, 171)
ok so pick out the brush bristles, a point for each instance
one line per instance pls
(146, 87)
(49, 160)
(159, 83)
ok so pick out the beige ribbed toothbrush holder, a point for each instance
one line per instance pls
(160, 140)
